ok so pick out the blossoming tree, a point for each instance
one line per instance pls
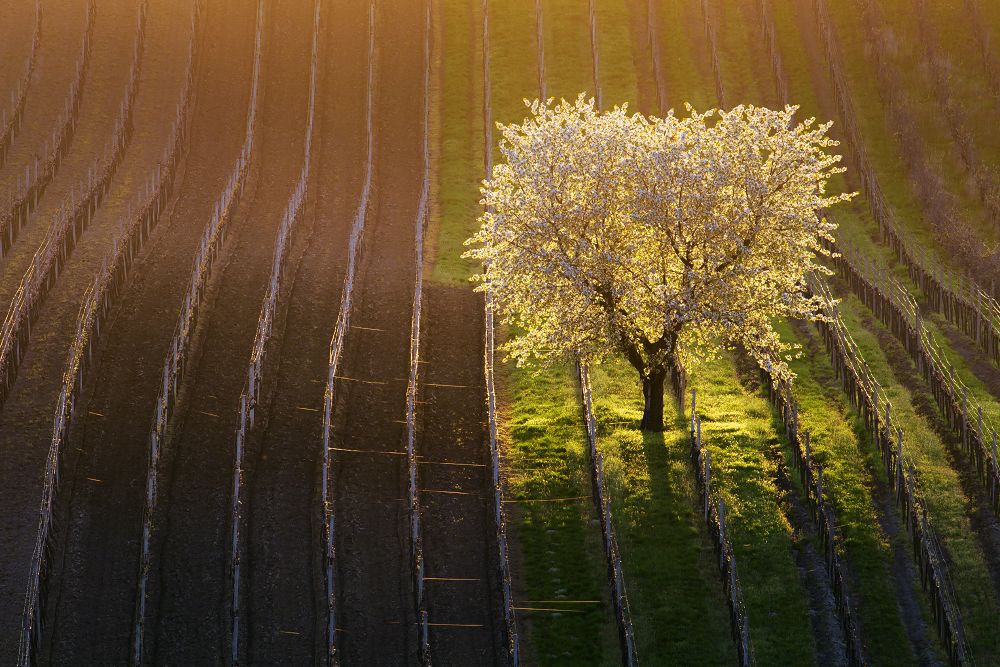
(663, 240)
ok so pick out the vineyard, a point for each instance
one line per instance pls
(253, 411)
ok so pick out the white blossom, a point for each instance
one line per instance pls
(663, 239)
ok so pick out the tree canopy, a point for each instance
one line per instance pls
(662, 239)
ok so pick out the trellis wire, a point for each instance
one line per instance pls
(969, 305)
(499, 513)
(779, 392)
(714, 512)
(39, 174)
(173, 367)
(336, 352)
(867, 396)
(93, 312)
(265, 325)
(896, 308)
(612, 554)
(10, 123)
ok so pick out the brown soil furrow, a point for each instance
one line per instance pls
(26, 421)
(459, 533)
(100, 520)
(286, 611)
(26, 426)
(374, 571)
(188, 588)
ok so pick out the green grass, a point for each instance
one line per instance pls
(460, 164)
(948, 504)
(968, 79)
(619, 54)
(568, 63)
(676, 599)
(935, 126)
(684, 55)
(747, 80)
(678, 607)
(880, 136)
(738, 431)
(852, 469)
(559, 542)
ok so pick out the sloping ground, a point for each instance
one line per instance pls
(286, 602)
(374, 572)
(62, 35)
(188, 588)
(16, 23)
(459, 535)
(103, 484)
(26, 420)
(104, 91)
(92, 590)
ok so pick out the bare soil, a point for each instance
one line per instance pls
(62, 37)
(374, 571)
(286, 615)
(459, 543)
(92, 591)
(189, 581)
(26, 419)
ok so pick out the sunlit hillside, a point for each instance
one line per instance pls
(253, 409)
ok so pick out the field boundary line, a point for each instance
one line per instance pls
(599, 496)
(412, 388)
(714, 512)
(499, 513)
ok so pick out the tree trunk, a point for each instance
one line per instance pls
(652, 392)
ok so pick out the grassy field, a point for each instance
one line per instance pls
(677, 604)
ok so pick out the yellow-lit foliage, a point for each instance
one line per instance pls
(662, 239)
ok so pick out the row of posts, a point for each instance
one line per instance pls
(98, 299)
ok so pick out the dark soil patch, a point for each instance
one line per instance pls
(284, 584)
(454, 477)
(374, 564)
(92, 590)
(189, 583)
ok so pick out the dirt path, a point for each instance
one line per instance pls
(374, 572)
(286, 604)
(101, 508)
(62, 35)
(189, 587)
(459, 536)
(26, 419)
